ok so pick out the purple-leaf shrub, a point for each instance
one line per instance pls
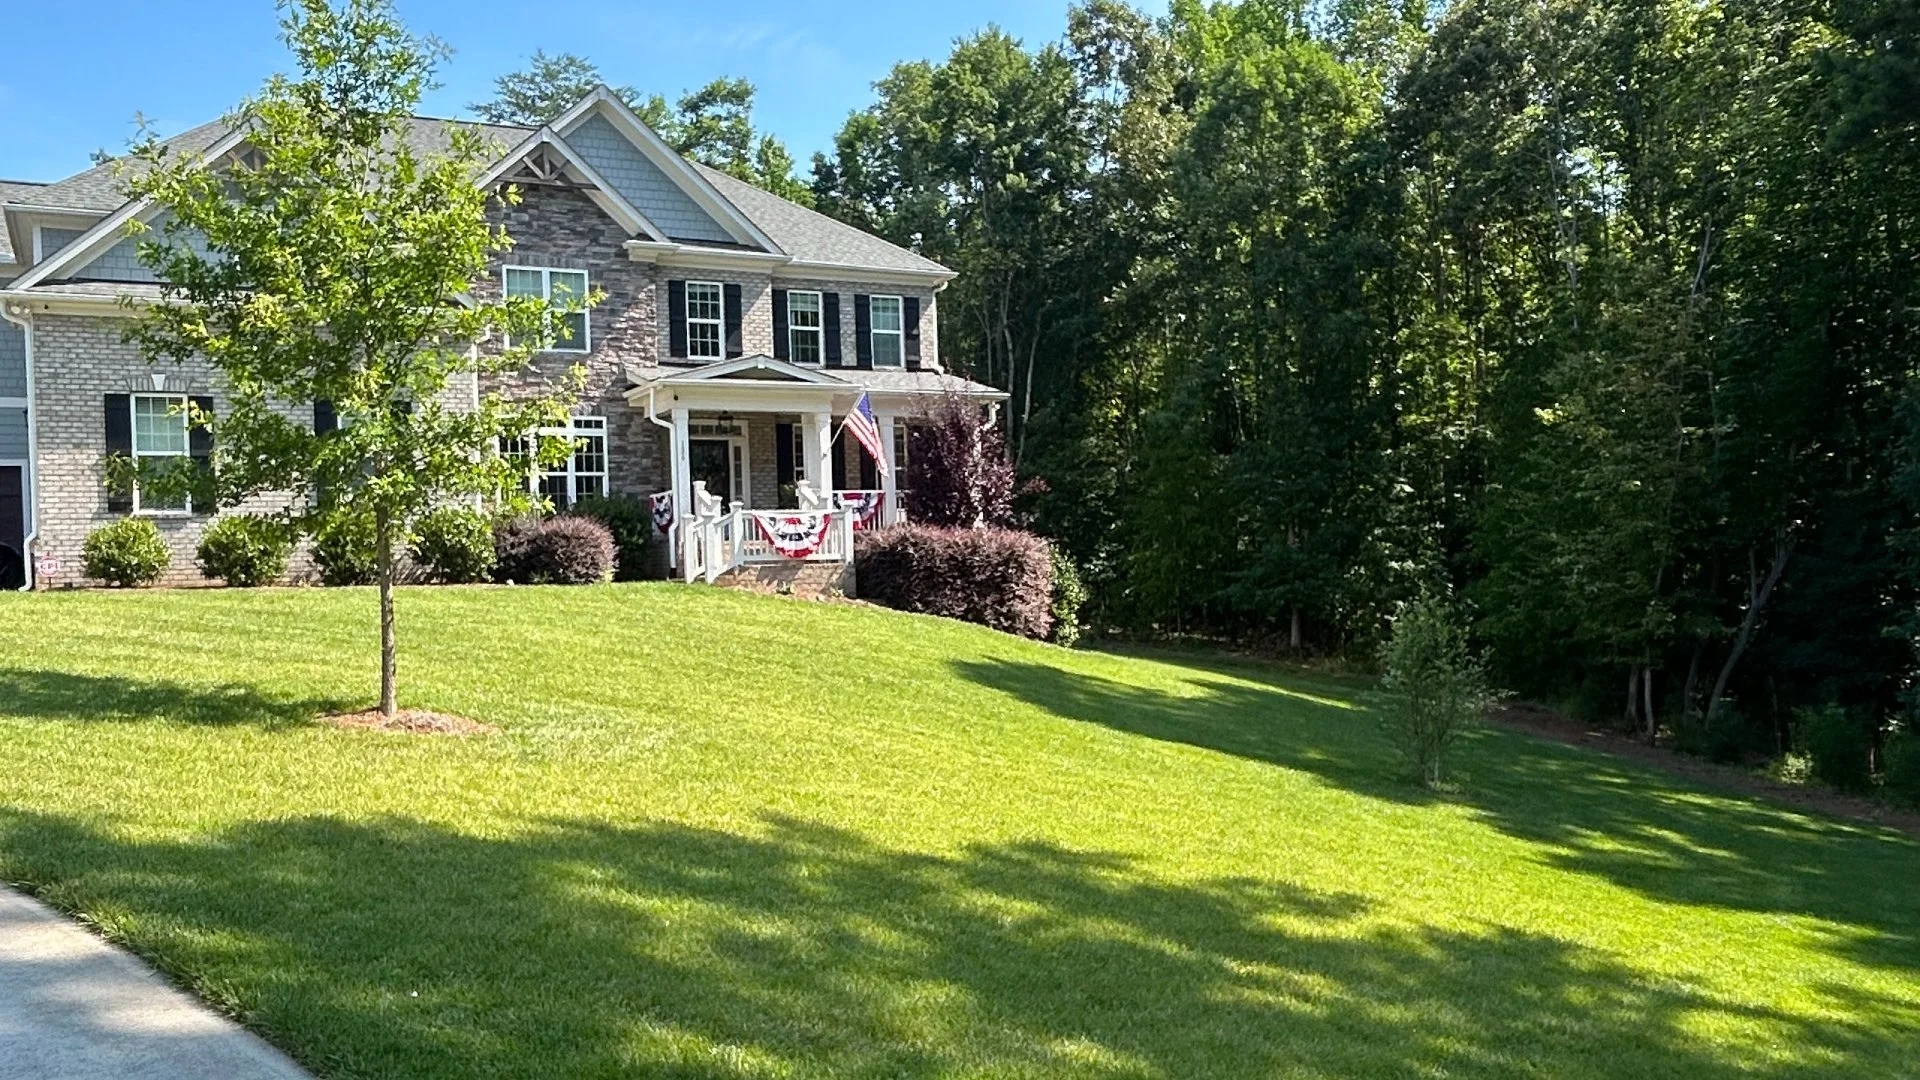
(1000, 578)
(958, 473)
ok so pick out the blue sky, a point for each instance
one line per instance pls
(182, 62)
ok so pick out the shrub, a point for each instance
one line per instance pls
(1439, 683)
(1726, 737)
(454, 544)
(1001, 578)
(1069, 596)
(1840, 745)
(245, 550)
(630, 522)
(345, 551)
(512, 537)
(1902, 757)
(958, 472)
(126, 554)
(569, 550)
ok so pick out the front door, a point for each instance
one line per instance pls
(711, 460)
(13, 527)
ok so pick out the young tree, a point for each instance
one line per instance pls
(1440, 684)
(330, 259)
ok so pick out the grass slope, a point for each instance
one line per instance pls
(725, 836)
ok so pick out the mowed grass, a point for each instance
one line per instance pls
(726, 836)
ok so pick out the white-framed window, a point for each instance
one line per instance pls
(159, 431)
(584, 472)
(804, 332)
(560, 289)
(887, 330)
(706, 320)
(799, 454)
(900, 451)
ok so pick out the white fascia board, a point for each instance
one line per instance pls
(60, 304)
(604, 195)
(796, 372)
(605, 102)
(782, 267)
(877, 275)
(108, 231)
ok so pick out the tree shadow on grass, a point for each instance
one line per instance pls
(60, 695)
(392, 947)
(1589, 813)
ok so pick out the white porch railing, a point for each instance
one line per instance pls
(714, 540)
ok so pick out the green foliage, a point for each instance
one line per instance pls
(126, 554)
(346, 552)
(1069, 597)
(1726, 737)
(630, 522)
(1839, 743)
(1439, 684)
(1901, 778)
(245, 550)
(454, 544)
(568, 550)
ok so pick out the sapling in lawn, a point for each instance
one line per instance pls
(1438, 682)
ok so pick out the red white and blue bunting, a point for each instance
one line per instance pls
(864, 504)
(662, 507)
(796, 535)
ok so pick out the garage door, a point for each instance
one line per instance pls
(13, 521)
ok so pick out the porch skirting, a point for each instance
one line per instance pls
(813, 580)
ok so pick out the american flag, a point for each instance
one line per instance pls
(865, 428)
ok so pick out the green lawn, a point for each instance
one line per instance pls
(730, 836)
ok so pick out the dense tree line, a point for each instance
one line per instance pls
(1601, 315)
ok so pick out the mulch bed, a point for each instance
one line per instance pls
(1551, 725)
(410, 722)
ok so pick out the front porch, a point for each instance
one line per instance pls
(757, 472)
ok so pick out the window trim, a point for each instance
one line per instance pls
(899, 335)
(719, 323)
(578, 428)
(584, 344)
(179, 405)
(818, 329)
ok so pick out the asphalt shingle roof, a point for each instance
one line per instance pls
(810, 235)
(12, 191)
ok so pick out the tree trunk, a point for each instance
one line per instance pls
(1293, 634)
(1646, 692)
(1633, 697)
(383, 542)
(1758, 591)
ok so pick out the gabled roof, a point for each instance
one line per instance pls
(13, 191)
(743, 369)
(812, 237)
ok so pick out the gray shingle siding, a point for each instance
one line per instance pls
(52, 240)
(13, 434)
(121, 262)
(13, 361)
(643, 184)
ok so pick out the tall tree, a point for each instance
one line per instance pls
(321, 261)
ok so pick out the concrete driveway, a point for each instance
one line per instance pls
(73, 1007)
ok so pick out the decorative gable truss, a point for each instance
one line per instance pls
(543, 159)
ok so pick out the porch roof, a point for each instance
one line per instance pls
(765, 384)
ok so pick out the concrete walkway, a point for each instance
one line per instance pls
(73, 1007)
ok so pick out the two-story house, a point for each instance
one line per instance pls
(736, 330)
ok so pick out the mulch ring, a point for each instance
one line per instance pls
(410, 722)
(1744, 781)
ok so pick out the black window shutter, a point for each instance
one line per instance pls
(830, 327)
(731, 295)
(200, 449)
(863, 330)
(677, 319)
(783, 454)
(910, 319)
(324, 419)
(780, 348)
(839, 461)
(120, 441)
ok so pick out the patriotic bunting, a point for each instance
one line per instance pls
(795, 535)
(864, 504)
(662, 507)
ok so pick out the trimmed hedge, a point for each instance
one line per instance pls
(565, 550)
(1000, 578)
(454, 545)
(630, 522)
(127, 553)
(245, 550)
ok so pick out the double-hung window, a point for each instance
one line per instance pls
(803, 327)
(706, 320)
(585, 471)
(159, 431)
(562, 290)
(889, 346)
(900, 432)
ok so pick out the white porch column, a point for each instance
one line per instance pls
(680, 473)
(817, 442)
(889, 480)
